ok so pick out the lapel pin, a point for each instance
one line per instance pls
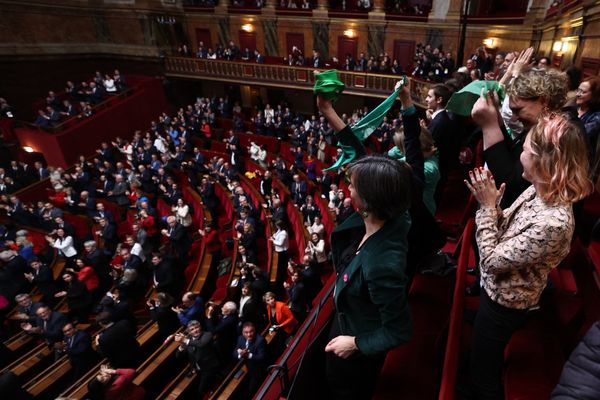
(345, 277)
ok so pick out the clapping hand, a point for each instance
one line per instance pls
(483, 188)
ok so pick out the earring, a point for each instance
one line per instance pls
(364, 213)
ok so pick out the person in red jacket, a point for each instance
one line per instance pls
(281, 320)
(115, 384)
(87, 275)
(211, 241)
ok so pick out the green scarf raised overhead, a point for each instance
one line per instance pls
(363, 128)
(462, 102)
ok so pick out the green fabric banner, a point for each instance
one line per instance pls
(363, 128)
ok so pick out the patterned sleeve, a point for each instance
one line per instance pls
(536, 244)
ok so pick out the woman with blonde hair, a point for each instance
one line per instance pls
(519, 245)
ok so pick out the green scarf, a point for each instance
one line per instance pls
(363, 128)
(328, 84)
(462, 102)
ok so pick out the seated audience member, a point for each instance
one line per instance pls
(117, 342)
(77, 344)
(192, 308)
(162, 313)
(48, 325)
(251, 347)
(115, 384)
(197, 346)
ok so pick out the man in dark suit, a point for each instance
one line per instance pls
(444, 131)
(12, 280)
(108, 233)
(86, 203)
(164, 277)
(26, 308)
(78, 347)
(43, 279)
(41, 172)
(298, 190)
(60, 223)
(198, 347)
(48, 325)
(252, 348)
(102, 212)
(178, 237)
(317, 62)
(96, 259)
(225, 330)
(117, 342)
(106, 186)
(118, 193)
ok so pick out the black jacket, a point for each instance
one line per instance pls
(119, 345)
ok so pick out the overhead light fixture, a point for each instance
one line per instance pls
(559, 46)
(489, 42)
(247, 27)
(349, 33)
(28, 149)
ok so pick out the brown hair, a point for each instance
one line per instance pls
(594, 103)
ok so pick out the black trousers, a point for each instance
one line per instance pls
(353, 378)
(494, 326)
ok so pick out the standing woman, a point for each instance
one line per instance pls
(587, 98)
(65, 246)
(519, 245)
(280, 319)
(281, 244)
(369, 253)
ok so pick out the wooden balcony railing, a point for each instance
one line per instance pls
(357, 83)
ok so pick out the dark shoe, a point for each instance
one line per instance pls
(191, 372)
(473, 289)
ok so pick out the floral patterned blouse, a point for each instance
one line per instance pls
(520, 245)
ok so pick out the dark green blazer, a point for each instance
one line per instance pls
(370, 294)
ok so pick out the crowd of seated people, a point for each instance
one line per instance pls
(79, 100)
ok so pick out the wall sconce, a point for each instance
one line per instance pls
(247, 27)
(559, 46)
(349, 33)
(28, 149)
(489, 42)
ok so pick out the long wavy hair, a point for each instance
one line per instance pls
(561, 159)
